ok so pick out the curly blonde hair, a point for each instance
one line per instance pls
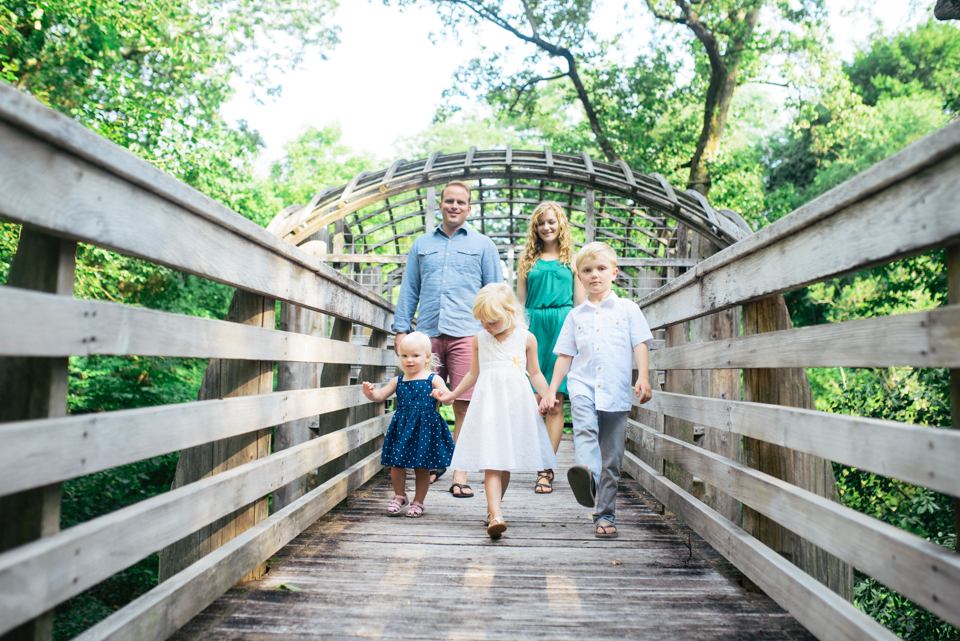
(534, 245)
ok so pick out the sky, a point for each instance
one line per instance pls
(385, 79)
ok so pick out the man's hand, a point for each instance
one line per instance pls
(396, 343)
(642, 390)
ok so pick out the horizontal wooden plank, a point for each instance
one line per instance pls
(164, 609)
(921, 571)
(907, 202)
(43, 451)
(923, 339)
(36, 577)
(820, 610)
(46, 325)
(365, 258)
(925, 456)
(74, 197)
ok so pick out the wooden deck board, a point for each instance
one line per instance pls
(363, 575)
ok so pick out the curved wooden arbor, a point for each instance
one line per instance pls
(67, 185)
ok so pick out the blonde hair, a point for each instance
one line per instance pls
(534, 245)
(595, 250)
(496, 301)
(423, 341)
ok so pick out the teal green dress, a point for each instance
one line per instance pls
(549, 300)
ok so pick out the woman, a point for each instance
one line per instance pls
(548, 288)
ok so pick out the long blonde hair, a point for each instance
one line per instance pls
(496, 301)
(534, 245)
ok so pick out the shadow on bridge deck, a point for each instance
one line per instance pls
(365, 576)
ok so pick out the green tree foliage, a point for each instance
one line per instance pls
(924, 59)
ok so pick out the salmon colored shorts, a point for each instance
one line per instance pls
(455, 354)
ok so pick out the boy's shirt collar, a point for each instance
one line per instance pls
(609, 299)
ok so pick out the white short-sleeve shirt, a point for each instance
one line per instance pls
(601, 339)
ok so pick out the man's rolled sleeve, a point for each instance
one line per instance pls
(409, 293)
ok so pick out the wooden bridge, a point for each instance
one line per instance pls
(727, 472)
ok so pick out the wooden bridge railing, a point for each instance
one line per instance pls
(67, 185)
(903, 206)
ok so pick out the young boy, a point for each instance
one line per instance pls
(594, 353)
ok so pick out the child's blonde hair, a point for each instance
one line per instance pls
(595, 250)
(534, 245)
(496, 301)
(421, 340)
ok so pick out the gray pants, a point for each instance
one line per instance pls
(598, 441)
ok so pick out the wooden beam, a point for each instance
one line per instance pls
(37, 576)
(69, 197)
(921, 455)
(335, 375)
(825, 238)
(43, 451)
(810, 602)
(35, 388)
(39, 324)
(922, 571)
(922, 339)
(166, 608)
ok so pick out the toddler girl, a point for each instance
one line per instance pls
(418, 437)
(503, 430)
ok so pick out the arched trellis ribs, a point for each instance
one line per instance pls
(613, 179)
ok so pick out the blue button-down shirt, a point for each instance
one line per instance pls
(443, 275)
(601, 339)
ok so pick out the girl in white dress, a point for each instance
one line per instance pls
(503, 431)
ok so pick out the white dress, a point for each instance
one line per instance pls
(503, 429)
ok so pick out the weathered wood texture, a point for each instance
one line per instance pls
(788, 387)
(921, 571)
(922, 339)
(157, 614)
(373, 374)
(296, 376)
(35, 388)
(62, 178)
(39, 575)
(226, 379)
(363, 575)
(905, 201)
(953, 298)
(814, 605)
(719, 383)
(37, 324)
(335, 375)
(917, 454)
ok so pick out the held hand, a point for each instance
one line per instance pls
(444, 396)
(547, 403)
(369, 391)
(643, 390)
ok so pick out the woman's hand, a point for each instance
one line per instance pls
(549, 400)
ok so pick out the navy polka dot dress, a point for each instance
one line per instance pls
(418, 436)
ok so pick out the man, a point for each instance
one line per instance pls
(445, 270)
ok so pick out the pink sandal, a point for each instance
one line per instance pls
(397, 505)
(416, 510)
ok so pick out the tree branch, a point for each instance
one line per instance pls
(533, 23)
(663, 16)
(530, 83)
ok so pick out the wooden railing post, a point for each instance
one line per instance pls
(335, 375)
(953, 298)
(788, 387)
(35, 388)
(226, 379)
(716, 383)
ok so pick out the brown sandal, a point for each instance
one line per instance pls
(544, 482)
